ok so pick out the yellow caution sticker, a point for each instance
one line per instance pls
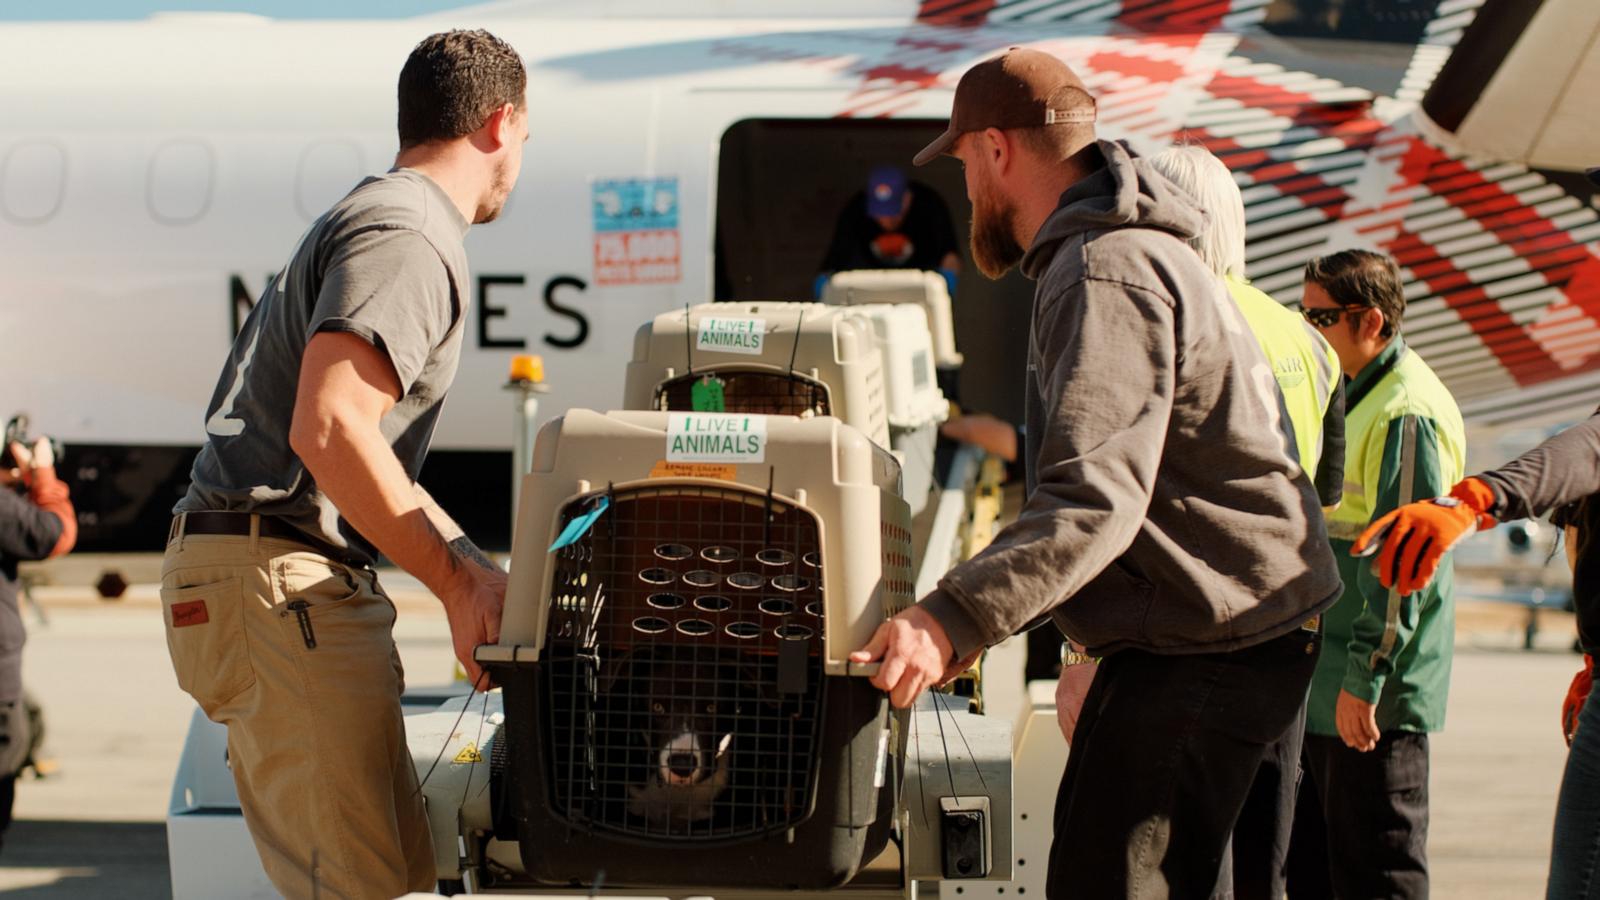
(469, 754)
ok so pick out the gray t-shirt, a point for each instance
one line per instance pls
(385, 263)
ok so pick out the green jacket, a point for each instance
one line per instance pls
(1404, 441)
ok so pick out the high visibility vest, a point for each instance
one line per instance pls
(1402, 386)
(1304, 363)
(1404, 441)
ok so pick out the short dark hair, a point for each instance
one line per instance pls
(453, 81)
(1362, 278)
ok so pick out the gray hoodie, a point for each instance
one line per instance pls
(1165, 511)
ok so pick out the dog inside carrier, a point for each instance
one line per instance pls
(678, 706)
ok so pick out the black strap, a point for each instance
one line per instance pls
(1353, 399)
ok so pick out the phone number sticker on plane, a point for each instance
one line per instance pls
(720, 334)
(636, 234)
(716, 438)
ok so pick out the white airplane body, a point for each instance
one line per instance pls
(153, 175)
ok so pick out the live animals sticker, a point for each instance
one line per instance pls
(716, 438)
(724, 334)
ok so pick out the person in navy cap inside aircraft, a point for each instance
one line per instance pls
(893, 224)
(1168, 528)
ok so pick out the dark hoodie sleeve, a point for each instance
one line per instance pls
(1107, 354)
(40, 525)
(1557, 472)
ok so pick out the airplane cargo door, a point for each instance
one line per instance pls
(781, 186)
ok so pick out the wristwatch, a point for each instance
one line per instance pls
(1071, 657)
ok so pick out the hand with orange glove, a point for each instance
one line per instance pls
(1412, 540)
(1576, 694)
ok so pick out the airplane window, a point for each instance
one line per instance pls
(179, 188)
(328, 170)
(33, 179)
(1398, 21)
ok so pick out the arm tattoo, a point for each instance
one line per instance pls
(464, 548)
(447, 528)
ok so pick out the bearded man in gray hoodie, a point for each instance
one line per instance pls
(1168, 527)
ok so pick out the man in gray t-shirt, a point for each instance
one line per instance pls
(386, 265)
(315, 436)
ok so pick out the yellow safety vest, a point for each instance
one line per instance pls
(1304, 363)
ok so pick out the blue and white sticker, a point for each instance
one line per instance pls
(731, 334)
(716, 438)
(635, 204)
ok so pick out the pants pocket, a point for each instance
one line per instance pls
(319, 581)
(332, 609)
(206, 639)
(1405, 763)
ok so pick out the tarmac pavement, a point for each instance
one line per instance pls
(116, 723)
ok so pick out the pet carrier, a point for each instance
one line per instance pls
(787, 359)
(926, 289)
(679, 708)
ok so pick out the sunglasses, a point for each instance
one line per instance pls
(1328, 316)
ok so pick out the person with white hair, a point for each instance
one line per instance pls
(1307, 371)
(1305, 364)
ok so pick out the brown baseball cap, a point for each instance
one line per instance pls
(1020, 88)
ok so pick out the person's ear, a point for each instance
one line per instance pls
(1372, 324)
(500, 127)
(998, 148)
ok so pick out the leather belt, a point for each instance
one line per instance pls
(238, 524)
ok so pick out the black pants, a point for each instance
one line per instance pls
(1255, 869)
(1375, 808)
(1165, 750)
(8, 796)
(1307, 868)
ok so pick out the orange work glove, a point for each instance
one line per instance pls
(1414, 538)
(1576, 694)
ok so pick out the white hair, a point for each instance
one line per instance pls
(1209, 183)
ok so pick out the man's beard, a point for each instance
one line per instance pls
(499, 190)
(994, 248)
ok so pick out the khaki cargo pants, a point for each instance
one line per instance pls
(315, 737)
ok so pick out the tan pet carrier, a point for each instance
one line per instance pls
(685, 592)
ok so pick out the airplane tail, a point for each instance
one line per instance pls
(1402, 21)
